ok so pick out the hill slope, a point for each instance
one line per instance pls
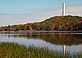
(58, 23)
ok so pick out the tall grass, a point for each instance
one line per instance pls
(13, 50)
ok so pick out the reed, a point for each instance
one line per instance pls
(13, 50)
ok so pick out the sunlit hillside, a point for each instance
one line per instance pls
(56, 23)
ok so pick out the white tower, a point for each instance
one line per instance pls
(63, 9)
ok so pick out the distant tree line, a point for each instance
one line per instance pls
(57, 23)
(16, 27)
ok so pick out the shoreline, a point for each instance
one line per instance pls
(40, 32)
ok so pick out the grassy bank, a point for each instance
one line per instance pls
(12, 50)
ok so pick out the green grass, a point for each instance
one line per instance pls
(13, 50)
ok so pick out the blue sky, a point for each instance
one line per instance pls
(26, 11)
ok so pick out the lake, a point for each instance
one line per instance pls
(59, 42)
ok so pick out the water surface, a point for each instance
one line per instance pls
(59, 42)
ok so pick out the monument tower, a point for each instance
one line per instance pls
(63, 9)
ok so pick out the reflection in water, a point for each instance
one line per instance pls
(54, 38)
(56, 41)
(64, 49)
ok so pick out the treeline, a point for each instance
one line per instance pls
(58, 23)
(16, 27)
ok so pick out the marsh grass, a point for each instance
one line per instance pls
(13, 50)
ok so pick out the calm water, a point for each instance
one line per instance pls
(71, 42)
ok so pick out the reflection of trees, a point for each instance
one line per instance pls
(55, 38)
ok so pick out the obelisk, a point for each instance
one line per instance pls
(63, 9)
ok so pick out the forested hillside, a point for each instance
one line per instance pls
(57, 23)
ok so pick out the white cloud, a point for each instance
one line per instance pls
(74, 10)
